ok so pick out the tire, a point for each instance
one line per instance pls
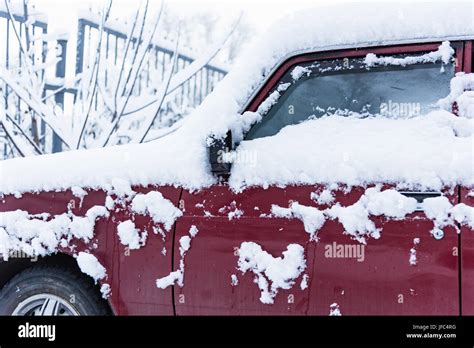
(62, 291)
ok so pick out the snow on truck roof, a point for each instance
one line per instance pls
(181, 158)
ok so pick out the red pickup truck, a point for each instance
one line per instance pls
(251, 244)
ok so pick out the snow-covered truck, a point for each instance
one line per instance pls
(331, 172)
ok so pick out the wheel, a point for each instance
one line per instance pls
(51, 290)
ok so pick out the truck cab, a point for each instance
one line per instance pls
(342, 185)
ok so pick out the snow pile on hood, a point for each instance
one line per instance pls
(181, 158)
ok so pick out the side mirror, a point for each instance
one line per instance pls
(217, 150)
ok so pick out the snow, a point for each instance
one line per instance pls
(37, 235)
(79, 192)
(425, 152)
(89, 265)
(83, 227)
(180, 158)
(461, 89)
(437, 209)
(185, 244)
(355, 218)
(234, 281)
(304, 282)
(109, 203)
(389, 203)
(325, 197)
(443, 213)
(237, 213)
(121, 188)
(463, 214)
(129, 235)
(177, 277)
(105, 290)
(334, 310)
(267, 104)
(193, 231)
(413, 260)
(298, 72)
(444, 53)
(232, 211)
(465, 104)
(272, 273)
(312, 218)
(17, 9)
(159, 208)
(172, 278)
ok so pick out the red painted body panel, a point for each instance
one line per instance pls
(137, 270)
(385, 283)
(211, 260)
(370, 287)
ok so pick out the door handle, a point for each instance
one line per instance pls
(420, 196)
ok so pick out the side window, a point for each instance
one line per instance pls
(349, 87)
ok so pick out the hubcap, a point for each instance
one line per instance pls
(45, 304)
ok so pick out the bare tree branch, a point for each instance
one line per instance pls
(36, 105)
(12, 120)
(95, 71)
(127, 47)
(136, 73)
(23, 50)
(122, 68)
(187, 73)
(22, 148)
(149, 123)
(139, 42)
